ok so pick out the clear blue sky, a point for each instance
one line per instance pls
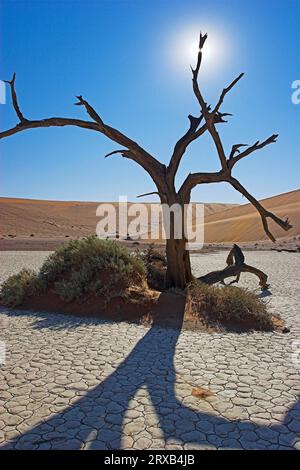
(120, 56)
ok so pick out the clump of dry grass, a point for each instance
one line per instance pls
(229, 306)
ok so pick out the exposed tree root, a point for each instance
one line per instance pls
(235, 266)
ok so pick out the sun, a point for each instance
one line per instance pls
(184, 47)
(191, 49)
(188, 48)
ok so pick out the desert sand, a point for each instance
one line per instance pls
(149, 374)
(243, 224)
(43, 225)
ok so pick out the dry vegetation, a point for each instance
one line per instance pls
(228, 306)
(77, 270)
(81, 271)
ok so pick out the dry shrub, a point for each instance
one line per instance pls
(78, 269)
(19, 286)
(228, 305)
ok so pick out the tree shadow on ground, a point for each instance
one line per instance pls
(97, 418)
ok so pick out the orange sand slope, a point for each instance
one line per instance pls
(23, 217)
(243, 223)
(223, 222)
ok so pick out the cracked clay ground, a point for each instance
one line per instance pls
(71, 383)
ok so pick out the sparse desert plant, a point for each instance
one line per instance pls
(78, 269)
(19, 286)
(228, 305)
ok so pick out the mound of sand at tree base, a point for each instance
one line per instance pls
(224, 223)
(150, 307)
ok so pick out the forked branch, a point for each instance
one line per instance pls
(205, 109)
(192, 133)
(133, 150)
(233, 159)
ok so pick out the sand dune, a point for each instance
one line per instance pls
(224, 223)
(40, 218)
(243, 223)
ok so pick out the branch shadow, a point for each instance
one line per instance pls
(102, 410)
(264, 293)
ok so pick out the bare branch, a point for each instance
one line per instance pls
(193, 179)
(235, 149)
(154, 172)
(264, 213)
(148, 194)
(114, 152)
(50, 122)
(257, 146)
(155, 169)
(192, 134)
(202, 40)
(218, 117)
(90, 110)
(184, 141)
(134, 152)
(14, 98)
(225, 91)
(205, 109)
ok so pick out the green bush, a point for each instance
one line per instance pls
(229, 305)
(77, 269)
(18, 286)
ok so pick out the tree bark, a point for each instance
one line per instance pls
(179, 272)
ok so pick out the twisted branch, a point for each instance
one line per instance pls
(235, 266)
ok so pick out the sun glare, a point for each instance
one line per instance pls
(184, 46)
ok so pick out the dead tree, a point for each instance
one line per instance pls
(163, 176)
(235, 266)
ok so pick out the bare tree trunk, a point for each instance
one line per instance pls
(178, 261)
(178, 258)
